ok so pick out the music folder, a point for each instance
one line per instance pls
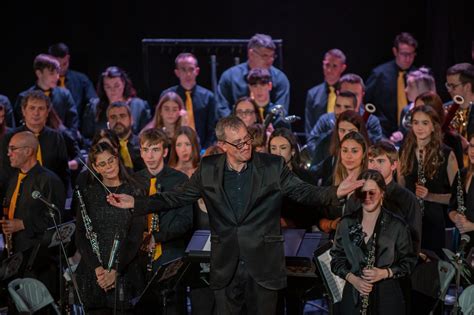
(334, 285)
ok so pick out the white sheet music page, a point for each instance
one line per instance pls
(335, 284)
(207, 246)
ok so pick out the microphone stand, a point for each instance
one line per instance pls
(76, 289)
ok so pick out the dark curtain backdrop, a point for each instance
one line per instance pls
(103, 33)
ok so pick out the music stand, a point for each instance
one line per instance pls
(333, 284)
(16, 265)
(66, 230)
(164, 281)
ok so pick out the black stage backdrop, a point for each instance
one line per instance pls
(104, 33)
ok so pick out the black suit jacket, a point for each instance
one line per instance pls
(381, 90)
(255, 236)
(62, 102)
(174, 225)
(33, 212)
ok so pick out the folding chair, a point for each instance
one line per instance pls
(30, 295)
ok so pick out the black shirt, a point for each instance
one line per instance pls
(33, 212)
(237, 187)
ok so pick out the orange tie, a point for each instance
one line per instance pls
(158, 249)
(261, 111)
(331, 99)
(39, 156)
(401, 95)
(47, 93)
(62, 82)
(189, 109)
(125, 154)
(12, 208)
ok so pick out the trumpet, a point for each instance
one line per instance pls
(369, 109)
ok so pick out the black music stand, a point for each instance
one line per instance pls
(162, 284)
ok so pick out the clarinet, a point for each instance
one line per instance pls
(421, 180)
(370, 264)
(8, 237)
(90, 234)
(460, 195)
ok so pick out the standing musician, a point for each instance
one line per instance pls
(97, 274)
(427, 168)
(461, 205)
(372, 250)
(243, 192)
(26, 219)
(167, 231)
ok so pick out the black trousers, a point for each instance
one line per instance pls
(245, 296)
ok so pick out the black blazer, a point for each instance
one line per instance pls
(255, 236)
(174, 225)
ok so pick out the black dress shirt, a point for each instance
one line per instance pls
(236, 187)
(33, 212)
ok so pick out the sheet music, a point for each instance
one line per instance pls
(207, 246)
(335, 284)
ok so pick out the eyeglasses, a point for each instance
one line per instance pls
(452, 86)
(244, 113)
(265, 56)
(240, 145)
(362, 195)
(13, 149)
(407, 54)
(109, 161)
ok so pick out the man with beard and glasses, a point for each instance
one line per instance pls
(119, 119)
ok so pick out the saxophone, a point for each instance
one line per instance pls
(421, 180)
(90, 234)
(370, 264)
(8, 237)
(460, 195)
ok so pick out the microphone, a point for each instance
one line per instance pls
(291, 119)
(113, 251)
(37, 195)
(465, 239)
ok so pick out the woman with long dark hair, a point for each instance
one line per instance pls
(97, 284)
(352, 159)
(348, 121)
(427, 168)
(184, 155)
(114, 85)
(372, 250)
(284, 143)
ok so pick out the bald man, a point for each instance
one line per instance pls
(26, 219)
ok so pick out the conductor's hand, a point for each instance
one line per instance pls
(121, 201)
(348, 185)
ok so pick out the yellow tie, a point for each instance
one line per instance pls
(261, 110)
(189, 109)
(401, 95)
(39, 156)
(127, 160)
(158, 249)
(47, 93)
(331, 99)
(11, 209)
(62, 82)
